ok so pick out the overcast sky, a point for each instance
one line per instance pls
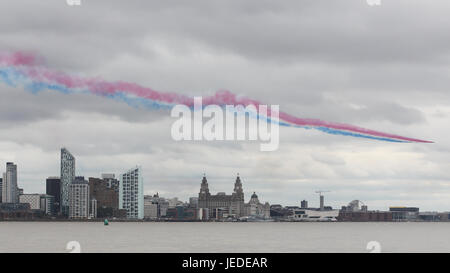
(379, 67)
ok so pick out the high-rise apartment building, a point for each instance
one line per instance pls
(9, 184)
(48, 204)
(111, 181)
(107, 198)
(131, 193)
(304, 204)
(67, 177)
(79, 199)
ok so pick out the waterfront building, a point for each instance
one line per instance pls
(33, 199)
(254, 208)
(404, 213)
(174, 202)
(38, 202)
(364, 216)
(16, 211)
(313, 215)
(162, 203)
(53, 188)
(355, 205)
(111, 181)
(277, 211)
(444, 216)
(131, 193)
(107, 198)
(304, 204)
(79, 199)
(222, 205)
(48, 204)
(202, 214)
(156, 207)
(163, 206)
(93, 209)
(182, 213)
(67, 178)
(10, 192)
(150, 209)
(193, 202)
(431, 216)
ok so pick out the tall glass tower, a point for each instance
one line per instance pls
(67, 177)
(9, 186)
(131, 193)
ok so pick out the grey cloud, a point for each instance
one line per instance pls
(22, 107)
(339, 31)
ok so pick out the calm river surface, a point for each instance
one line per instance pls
(223, 237)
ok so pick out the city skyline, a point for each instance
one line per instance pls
(341, 62)
(105, 175)
(124, 199)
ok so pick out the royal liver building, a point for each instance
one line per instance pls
(225, 205)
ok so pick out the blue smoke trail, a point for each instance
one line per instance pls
(13, 77)
(346, 133)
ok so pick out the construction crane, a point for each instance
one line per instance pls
(321, 198)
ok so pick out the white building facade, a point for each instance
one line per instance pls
(131, 193)
(314, 215)
(9, 185)
(79, 199)
(255, 208)
(150, 210)
(33, 199)
(93, 209)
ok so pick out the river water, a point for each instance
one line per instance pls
(224, 237)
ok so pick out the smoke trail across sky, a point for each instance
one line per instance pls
(19, 69)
